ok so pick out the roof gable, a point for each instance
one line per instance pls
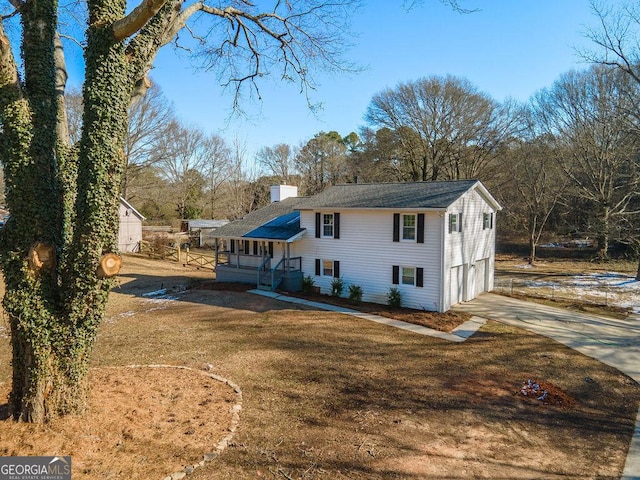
(131, 208)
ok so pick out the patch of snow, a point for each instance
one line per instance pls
(578, 243)
(155, 293)
(611, 288)
(524, 265)
(113, 319)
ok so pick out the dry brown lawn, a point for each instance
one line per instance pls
(328, 396)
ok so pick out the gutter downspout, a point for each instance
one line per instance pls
(443, 225)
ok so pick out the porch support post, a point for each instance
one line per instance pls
(288, 256)
(215, 248)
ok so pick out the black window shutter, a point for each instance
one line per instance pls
(317, 266)
(419, 277)
(232, 246)
(396, 227)
(420, 236)
(271, 249)
(318, 225)
(255, 248)
(336, 225)
(459, 222)
(396, 275)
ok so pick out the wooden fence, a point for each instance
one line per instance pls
(175, 254)
(163, 252)
(201, 260)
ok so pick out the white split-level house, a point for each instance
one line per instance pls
(433, 241)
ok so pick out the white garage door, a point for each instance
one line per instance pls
(479, 274)
(457, 284)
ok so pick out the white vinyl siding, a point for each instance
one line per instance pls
(367, 255)
(469, 256)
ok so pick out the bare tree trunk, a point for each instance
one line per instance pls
(532, 250)
(603, 237)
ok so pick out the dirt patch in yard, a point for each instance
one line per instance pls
(141, 423)
(327, 396)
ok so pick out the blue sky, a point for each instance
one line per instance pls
(509, 48)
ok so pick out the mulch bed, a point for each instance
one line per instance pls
(546, 393)
(444, 322)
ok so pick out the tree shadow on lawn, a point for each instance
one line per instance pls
(324, 383)
(403, 391)
(159, 288)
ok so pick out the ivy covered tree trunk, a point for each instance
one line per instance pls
(63, 199)
(55, 297)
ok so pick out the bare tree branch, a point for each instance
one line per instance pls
(8, 69)
(17, 4)
(133, 22)
(245, 45)
(455, 4)
(618, 28)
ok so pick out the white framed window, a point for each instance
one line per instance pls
(413, 276)
(408, 275)
(455, 222)
(409, 227)
(327, 225)
(327, 268)
(487, 221)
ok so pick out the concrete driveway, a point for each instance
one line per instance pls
(614, 342)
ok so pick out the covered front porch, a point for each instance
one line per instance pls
(260, 248)
(267, 263)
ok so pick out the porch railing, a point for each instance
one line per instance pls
(241, 260)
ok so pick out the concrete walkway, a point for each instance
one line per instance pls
(611, 341)
(459, 334)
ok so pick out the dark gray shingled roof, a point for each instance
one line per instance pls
(281, 220)
(260, 217)
(439, 194)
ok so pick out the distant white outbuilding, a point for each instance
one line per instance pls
(130, 227)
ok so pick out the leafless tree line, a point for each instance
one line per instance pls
(566, 162)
